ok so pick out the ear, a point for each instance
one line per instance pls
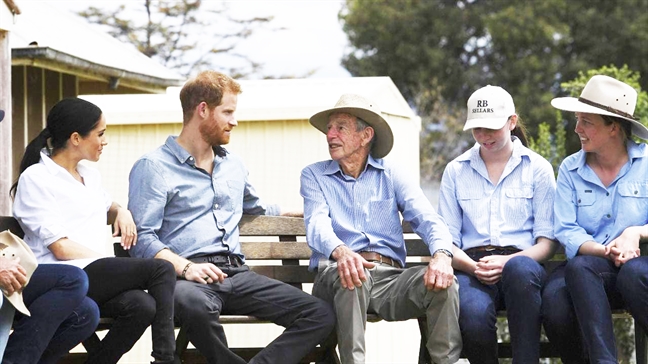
(75, 139)
(367, 135)
(202, 110)
(513, 122)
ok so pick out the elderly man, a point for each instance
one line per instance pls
(351, 208)
(187, 198)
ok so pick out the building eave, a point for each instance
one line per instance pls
(48, 58)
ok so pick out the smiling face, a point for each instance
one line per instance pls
(495, 140)
(593, 131)
(345, 142)
(217, 127)
(91, 146)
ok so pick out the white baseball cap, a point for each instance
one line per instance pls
(489, 107)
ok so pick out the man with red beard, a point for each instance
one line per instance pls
(187, 198)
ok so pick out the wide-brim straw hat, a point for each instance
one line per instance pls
(12, 247)
(364, 109)
(604, 95)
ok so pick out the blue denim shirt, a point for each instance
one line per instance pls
(178, 206)
(514, 212)
(363, 213)
(586, 210)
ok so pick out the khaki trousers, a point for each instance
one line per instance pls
(396, 295)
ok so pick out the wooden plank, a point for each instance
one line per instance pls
(275, 250)
(261, 225)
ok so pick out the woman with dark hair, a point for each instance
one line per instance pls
(497, 199)
(63, 209)
(601, 212)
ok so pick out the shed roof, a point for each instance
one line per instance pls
(52, 38)
(284, 99)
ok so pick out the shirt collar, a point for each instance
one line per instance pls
(51, 166)
(54, 168)
(177, 150)
(334, 167)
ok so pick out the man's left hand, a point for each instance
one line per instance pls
(439, 274)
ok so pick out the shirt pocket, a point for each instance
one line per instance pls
(518, 204)
(634, 196)
(235, 200)
(585, 198)
(383, 216)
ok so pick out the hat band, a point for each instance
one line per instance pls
(607, 108)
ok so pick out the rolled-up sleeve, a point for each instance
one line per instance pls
(147, 197)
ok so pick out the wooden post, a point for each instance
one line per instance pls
(6, 177)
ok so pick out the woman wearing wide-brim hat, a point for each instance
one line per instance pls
(601, 212)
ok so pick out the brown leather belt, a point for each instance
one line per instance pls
(493, 248)
(378, 258)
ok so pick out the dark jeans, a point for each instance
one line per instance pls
(117, 285)
(578, 300)
(308, 320)
(61, 316)
(519, 293)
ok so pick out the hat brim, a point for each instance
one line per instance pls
(573, 105)
(492, 123)
(383, 136)
(16, 300)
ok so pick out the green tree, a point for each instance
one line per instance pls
(443, 50)
(181, 34)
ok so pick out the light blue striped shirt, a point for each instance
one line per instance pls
(363, 213)
(178, 206)
(586, 210)
(514, 212)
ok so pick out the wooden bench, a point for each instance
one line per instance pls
(276, 247)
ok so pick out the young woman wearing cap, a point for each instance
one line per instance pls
(601, 212)
(63, 211)
(497, 199)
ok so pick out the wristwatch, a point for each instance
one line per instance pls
(445, 251)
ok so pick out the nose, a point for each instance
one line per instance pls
(233, 122)
(578, 127)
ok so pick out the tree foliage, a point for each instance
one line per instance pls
(443, 50)
(182, 34)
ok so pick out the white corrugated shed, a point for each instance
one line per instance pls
(273, 137)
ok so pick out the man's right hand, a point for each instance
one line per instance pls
(350, 267)
(13, 276)
(205, 273)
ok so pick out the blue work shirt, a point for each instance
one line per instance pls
(514, 212)
(363, 213)
(586, 210)
(178, 206)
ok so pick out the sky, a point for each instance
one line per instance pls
(312, 43)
